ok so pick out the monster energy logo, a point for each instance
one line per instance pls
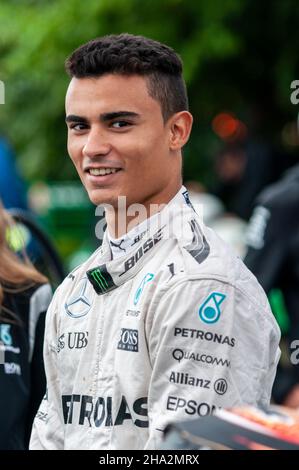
(101, 279)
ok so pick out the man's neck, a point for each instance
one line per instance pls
(122, 220)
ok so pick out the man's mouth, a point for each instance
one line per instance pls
(102, 171)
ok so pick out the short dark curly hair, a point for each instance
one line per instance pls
(126, 54)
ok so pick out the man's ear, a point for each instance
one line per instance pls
(180, 125)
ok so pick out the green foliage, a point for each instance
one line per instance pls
(225, 47)
(37, 36)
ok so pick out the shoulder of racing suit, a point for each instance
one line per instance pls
(196, 253)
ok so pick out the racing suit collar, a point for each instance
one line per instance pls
(171, 223)
(127, 243)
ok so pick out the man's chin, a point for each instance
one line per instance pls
(100, 198)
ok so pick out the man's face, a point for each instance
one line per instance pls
(118, 141)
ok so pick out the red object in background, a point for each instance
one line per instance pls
(228, 127)
(243, 428)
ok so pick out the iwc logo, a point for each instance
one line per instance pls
(78, 305)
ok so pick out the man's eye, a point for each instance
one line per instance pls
(119, 124)
(78, 127)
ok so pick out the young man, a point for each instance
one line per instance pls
(163, 322)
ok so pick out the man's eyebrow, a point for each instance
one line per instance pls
(74, 118)
(103, 117)
(117, 114)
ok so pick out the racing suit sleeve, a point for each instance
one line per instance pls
(211, 346)
(47, 431)
(39, 302)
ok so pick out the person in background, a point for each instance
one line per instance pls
(243, 169)
(273, 257)
(24, 299)
(12, 187)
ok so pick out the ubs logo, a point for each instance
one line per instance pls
(74, 340)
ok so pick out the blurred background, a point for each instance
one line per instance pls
(240, 59)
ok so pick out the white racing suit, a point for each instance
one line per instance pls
(171, 331)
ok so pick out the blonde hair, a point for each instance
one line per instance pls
(16, 275)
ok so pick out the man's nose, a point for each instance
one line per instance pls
(96, 144)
